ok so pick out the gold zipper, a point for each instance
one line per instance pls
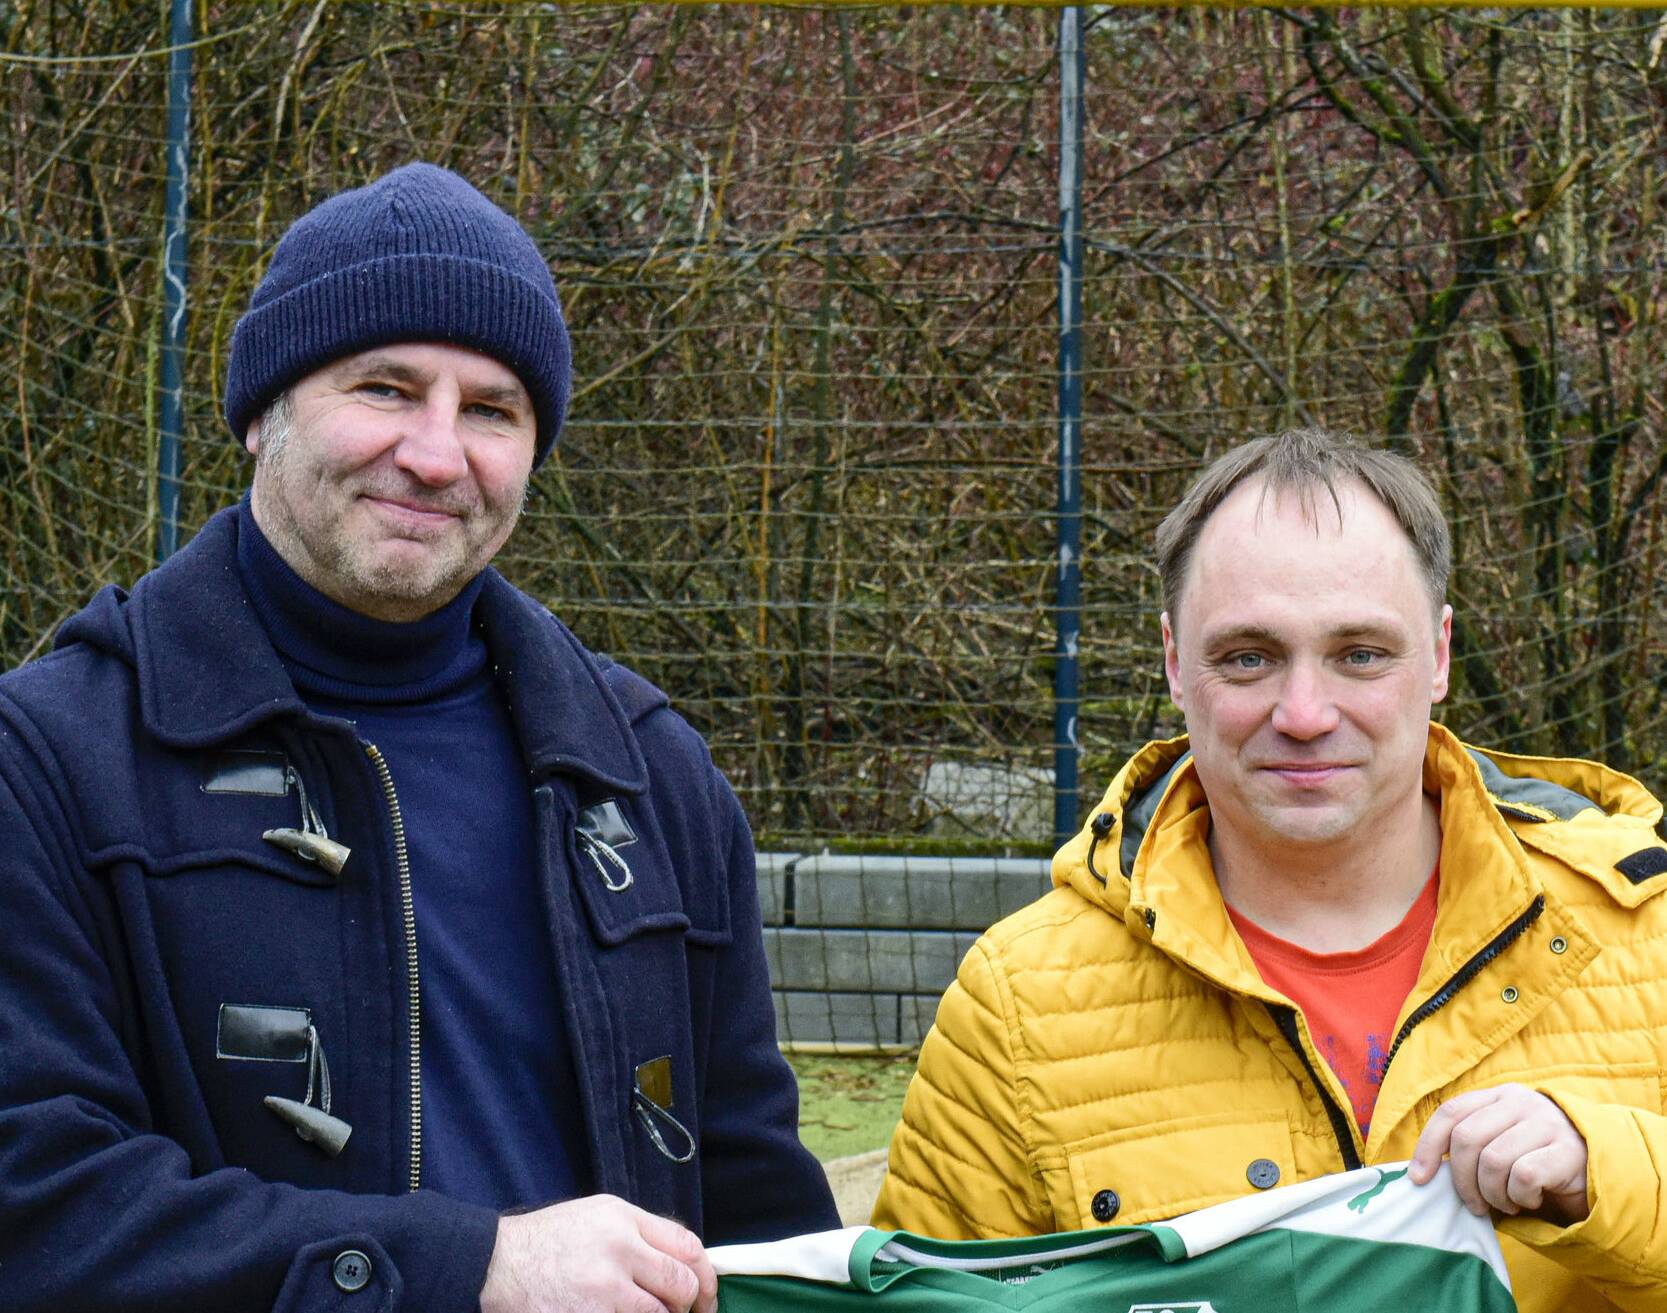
(408, 911)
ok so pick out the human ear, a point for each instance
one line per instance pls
(1443, 655)
(1171, 661)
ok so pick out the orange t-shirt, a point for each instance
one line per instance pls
(1350, 999)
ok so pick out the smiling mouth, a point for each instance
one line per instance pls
(1308, 772)
(410, 512)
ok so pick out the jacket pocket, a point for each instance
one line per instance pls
(1153, 1172)
(625, 883)
(239, 808)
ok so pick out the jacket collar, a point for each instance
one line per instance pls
(1505, 945)
(1157, 875)
(207, 673)
(567, 717)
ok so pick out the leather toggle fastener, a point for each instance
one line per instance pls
(602, 831)
(312, 842)
(329, 854)
(651, 1100)
(620, 878)
(315, 1125)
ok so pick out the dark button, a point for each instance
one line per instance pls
(1263, 1173)
(1105, 1205)
(351, 1270)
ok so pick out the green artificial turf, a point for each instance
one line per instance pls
(849, 1103)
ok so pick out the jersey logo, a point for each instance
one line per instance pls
(1359, 1202)
(1175, 1306)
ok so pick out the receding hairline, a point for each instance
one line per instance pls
(1305, 462)
(1321, 497)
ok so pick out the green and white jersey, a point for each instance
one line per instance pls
(1367, 1241)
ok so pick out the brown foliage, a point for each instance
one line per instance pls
(809, 259)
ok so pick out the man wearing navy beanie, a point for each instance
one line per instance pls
(387, 949)
(417, 256)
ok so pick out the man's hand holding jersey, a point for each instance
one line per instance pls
(1510, 1148)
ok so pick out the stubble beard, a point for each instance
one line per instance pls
(335, 565)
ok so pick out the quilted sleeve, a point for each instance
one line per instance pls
(960, 1167)
(1621, 1248)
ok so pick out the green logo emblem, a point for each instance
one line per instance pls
(1175, 1306)
(1359, 1202)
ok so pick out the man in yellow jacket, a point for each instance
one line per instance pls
(1318, 931)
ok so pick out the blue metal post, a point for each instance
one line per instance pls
(171, 422)
(1068, 605)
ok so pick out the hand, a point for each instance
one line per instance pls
(1510, 1148)
(597, 1255)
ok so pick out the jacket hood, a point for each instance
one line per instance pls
(1597, 820)
(207, 673)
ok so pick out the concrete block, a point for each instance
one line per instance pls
(919, 893)
(915, 1014)
(773, 869)
(868, 961)
(990, 800)
(857, 1020)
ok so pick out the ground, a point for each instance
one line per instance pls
(848, 1106)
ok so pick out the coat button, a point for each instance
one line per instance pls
(351, 1270)
(1105, 1205)
(1263, 1173)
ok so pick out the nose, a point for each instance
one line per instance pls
(1305, 708)
(431, 449)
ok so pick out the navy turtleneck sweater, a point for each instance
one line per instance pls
(501, 1120)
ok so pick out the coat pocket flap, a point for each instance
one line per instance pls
(1154, 1172)
(625, 892)
(209, 809)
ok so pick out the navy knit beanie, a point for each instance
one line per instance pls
(417, 256)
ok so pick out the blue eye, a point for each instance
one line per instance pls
(1248, 661)
(1361, 656)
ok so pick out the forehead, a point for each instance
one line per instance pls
(1304, 557)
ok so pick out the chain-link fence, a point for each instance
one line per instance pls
(810, 260)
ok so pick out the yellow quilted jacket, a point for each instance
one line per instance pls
(1111, 1054)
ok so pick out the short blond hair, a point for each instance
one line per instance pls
(1305, 462)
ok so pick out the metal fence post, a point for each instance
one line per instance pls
(1068, 606)
(171, 422)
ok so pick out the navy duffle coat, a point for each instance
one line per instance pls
(141, 763)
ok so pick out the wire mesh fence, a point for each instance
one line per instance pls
(809, 258)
